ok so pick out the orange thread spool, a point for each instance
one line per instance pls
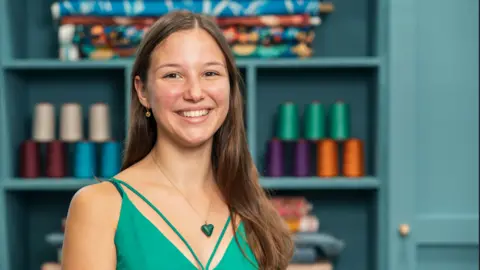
(327, 158)
(353, 162)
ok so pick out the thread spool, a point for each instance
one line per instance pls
(84, 160)
(56, 159)
(110, 159)
(327, 158)
(288, 122)
(275, 158)
(339, 121)
(99, 120)
(43, 122)
(302, 159)
(353, 158)
(71, 122)
(314, 121)
(30, 159)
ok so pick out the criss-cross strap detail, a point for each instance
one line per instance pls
(118, 184)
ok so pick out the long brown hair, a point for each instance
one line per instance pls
(235, 173)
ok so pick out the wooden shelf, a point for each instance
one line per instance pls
(284, 183)
(312, 183)
(317, 62)
(46, 184)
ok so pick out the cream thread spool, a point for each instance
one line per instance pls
(43, 122)
(71, 122)
(99, 120)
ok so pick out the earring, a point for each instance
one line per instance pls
(148, 114)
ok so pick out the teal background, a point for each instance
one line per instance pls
(408, 69)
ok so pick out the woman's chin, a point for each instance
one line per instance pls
(192, 140)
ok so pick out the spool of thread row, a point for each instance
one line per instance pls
(353, 158)
(110, 159)
(43, 123)
(71, 123)
(84, 160)
(99, 119)
(314, 121)
(327, 158)
(56, 159)
(30, 159)
(339, 121)
(288, 122)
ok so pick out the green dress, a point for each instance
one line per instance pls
(141, 246)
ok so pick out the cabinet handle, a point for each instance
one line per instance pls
(404, 230)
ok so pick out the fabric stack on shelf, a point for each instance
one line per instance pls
(55, 239)
(313, 250)
(106, 29)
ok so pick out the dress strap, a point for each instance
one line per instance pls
(117, 185)
(161, 215)
(218, 243)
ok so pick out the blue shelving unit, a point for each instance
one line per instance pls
(348, 65)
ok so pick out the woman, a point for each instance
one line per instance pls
(188, 195)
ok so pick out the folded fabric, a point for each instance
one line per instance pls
(268, 35)
(298, 20)
(157, 8)
(301, 50)
(304, 255)
(327, 244)
(115, 36)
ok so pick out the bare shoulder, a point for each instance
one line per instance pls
(90, 228)
(96, 198)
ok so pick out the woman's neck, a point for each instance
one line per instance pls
(187, 168)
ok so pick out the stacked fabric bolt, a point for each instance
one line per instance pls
(106, 29)
(313, 249)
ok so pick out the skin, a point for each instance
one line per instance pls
(188, 70)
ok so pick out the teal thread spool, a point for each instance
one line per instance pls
(339, 121)
(288, 122)
(314, 121)
(110, 159)
(85, 161)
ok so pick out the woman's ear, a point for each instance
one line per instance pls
(141, 92)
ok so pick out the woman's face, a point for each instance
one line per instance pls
(188, 87)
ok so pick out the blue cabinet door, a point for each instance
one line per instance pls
(432, 165)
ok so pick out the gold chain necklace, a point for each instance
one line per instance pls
(206, 228)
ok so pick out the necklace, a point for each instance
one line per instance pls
(206, 228)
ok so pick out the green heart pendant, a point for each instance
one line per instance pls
(207, 229)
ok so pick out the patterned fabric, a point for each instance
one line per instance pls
(274, 51)
(298, 20)
(155, 8)
(268, 35)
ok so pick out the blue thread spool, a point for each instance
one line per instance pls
(84, 160)
(110, 159)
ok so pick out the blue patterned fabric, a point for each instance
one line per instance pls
(155, 8)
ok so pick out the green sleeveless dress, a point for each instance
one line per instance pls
(141, 246)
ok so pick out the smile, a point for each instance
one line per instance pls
(193, 114)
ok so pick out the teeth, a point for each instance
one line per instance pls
(195, 113)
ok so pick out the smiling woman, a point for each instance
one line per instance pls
(188, 195)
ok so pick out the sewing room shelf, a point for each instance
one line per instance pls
(318, 62)
(275, 183)
(348, 65)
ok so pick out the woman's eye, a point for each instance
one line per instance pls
(210, 73)
(172, 76)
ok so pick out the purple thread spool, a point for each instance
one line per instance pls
(302, 159)
(275, 158)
